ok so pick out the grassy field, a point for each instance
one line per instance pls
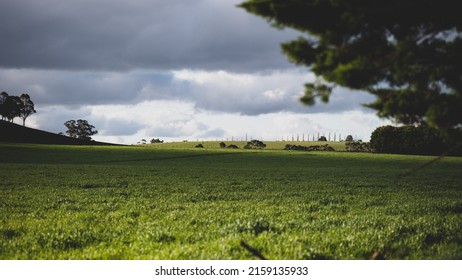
(156, 202)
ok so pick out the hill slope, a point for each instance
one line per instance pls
(13, 133)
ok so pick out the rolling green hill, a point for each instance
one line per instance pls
(13, 133)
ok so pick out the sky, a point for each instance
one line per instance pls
(169, 69)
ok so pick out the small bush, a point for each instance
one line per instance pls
(199, 146)
(222, 145)
(322, 138)
(255, 144)
(357, 146)
(232, 146)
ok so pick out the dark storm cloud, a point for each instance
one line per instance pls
(121, 35)
(118, 127)
(103, 52)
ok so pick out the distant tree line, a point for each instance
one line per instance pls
(311, 148)
(16, 106)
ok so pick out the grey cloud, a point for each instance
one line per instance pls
(118, 127)
(342, 100)
(173, 130)
(213, 133)
(255, 104)
(124, 35)
(80, 88)
(246, 94)
(104, 45)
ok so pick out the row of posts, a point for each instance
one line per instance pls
(299, 137)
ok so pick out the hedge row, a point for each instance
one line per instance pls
(309, 148)
(410, 140)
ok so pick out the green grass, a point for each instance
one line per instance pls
(155, 202)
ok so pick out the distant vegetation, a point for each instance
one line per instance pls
(311, 148)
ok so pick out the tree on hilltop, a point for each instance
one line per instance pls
(407, 53)
(9, 106)
(16, 106)
(80, 129)
(26, 107)
(3, 110)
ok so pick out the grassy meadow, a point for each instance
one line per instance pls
(166, 202)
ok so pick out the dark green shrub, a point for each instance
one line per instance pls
(408, 140)
(357, 146)
(326, 148)
(255, 144)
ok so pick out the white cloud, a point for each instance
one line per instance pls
(246, 94)
(218, 79)
(275, 94)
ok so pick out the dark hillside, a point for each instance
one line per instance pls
(13, 133)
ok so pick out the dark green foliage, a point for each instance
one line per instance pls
(199, 146)
(356, 146)
(81, 129)
(322, 138)
(406, 53)
(26, 107)
(10, 106)
(156, 140)
(232, 146)
(255, 144)
(410, 140)
(16, 106)
(309, 148)
(222, 145)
